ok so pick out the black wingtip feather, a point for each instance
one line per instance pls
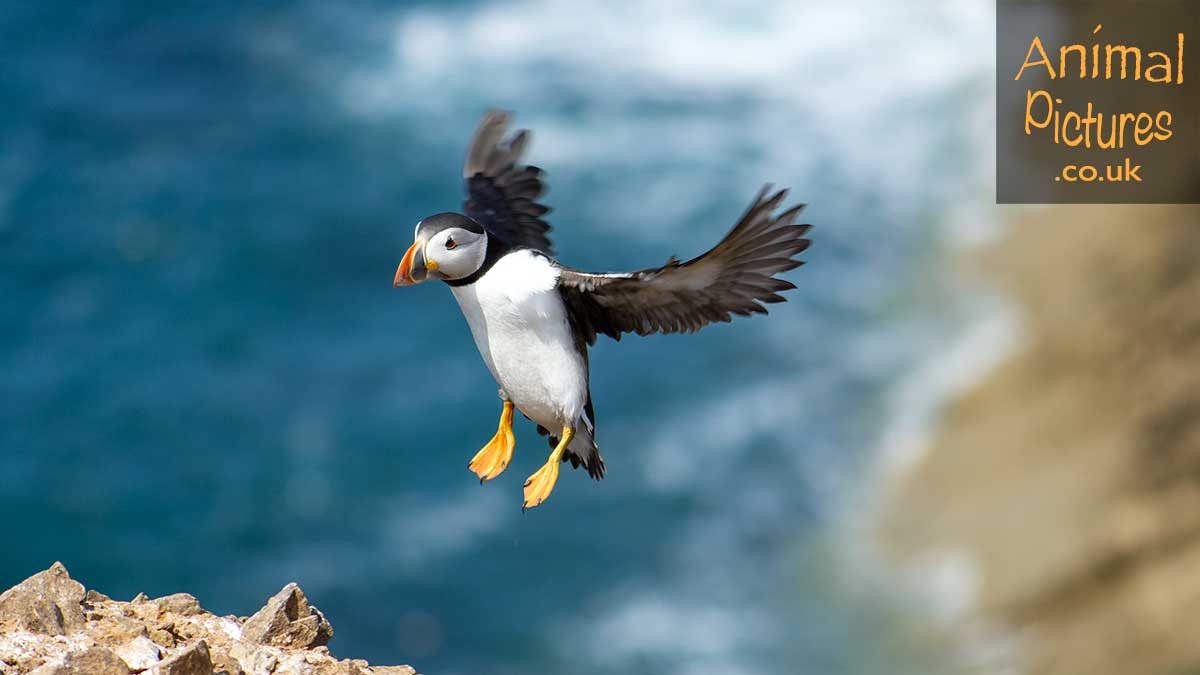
(501, 193)
(735, 278)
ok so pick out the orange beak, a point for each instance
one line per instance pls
(404, 273)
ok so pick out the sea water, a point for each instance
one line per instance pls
(209, 384)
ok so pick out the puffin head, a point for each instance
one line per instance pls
(445, 246)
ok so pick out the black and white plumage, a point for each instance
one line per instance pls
(533, 318)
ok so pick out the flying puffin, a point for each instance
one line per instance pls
(534, 318)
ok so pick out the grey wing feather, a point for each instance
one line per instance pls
(734, 278)
(502, 193)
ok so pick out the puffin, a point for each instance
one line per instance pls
(534, 318)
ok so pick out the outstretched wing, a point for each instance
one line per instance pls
(735, 277)
(502, 193)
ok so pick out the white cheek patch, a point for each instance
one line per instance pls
(460, 261)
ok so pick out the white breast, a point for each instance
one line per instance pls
(519, 323)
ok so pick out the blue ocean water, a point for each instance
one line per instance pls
(209, 384)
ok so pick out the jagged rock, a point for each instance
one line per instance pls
(48, 602)
(259, 662)
(49, 625)
(193, 660)
(223, 662)
(108, 625)
(288, 620)
(180, 603)
(94, 661)
(93, 597)
(139, 653)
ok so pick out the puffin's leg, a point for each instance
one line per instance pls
(493, 459)
(541, 483)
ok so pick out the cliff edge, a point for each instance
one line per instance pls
(51, 625)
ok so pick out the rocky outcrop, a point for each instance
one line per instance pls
(288, 621)
(50, 625)
(50, 603)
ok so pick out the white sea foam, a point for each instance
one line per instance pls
(646, 626)
(941, 584)
(786, 91)
(990, 335)
(419, 535)
(414, 535)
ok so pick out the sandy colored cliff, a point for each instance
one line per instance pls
(1071, 475)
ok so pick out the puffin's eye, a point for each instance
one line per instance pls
(450, 244)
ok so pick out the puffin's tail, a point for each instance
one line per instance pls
(583, 449)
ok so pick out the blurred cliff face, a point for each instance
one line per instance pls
(1071, 474)
(1110, 439)
(1067, 482)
